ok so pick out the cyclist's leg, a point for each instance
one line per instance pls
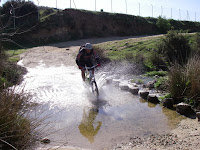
(82, 64)
(83, 74)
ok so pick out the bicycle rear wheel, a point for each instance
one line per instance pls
(95, 89)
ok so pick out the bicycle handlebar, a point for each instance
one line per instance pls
(89, 68)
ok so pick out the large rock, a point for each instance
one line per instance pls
(168, 103)
(184, 109)
(134, 90)
(144, 94)
(153, 98)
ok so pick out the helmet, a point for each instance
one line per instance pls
(88, 46)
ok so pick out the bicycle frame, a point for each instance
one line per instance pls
(91, 79)
(88, 73)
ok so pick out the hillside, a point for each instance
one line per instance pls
(71, 24)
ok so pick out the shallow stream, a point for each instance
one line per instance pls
(74, 118)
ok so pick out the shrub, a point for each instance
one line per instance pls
(184, 81)
(161, 83)
(157, 61)
(175, 48)
(139, 58)
(197, 43)
(15, 126)
(163, 24)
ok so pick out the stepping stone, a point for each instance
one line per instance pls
(184, 109)
(168, 103)
(144, 94)
(124, 87)
(134, 90)
(153, 98)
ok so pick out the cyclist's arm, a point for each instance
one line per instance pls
(79, 54)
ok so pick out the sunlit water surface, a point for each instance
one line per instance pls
(75, 118)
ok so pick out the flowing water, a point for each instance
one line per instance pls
(75, 118)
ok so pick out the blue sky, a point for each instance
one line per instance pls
(176, 9)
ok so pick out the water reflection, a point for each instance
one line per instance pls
(173, 117)
(150, 105)
(88, 126)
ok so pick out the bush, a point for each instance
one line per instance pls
(161, 83)
(184, 81)
(175, 48)
(15, 126)
(163, 24)
(196, 47)
(178, 82)
(157, 61)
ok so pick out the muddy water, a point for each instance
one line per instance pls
(74, 118)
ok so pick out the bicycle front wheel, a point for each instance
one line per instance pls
(95, 90)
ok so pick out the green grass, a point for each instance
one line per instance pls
(138, 81)
(119, 50)
(14, 55)
(143, 51)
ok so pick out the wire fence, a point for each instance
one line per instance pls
(136, 8)
(131, 7)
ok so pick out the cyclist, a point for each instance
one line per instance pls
(85, 57)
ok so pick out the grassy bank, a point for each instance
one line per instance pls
(177, 53)
(17, 128)
(141, 50)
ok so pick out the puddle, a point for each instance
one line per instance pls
(77, 119)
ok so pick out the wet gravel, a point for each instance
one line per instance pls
(185, 137)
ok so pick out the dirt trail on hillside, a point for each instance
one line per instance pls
(64, 53)
(185, 136)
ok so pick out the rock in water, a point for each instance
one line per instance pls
(184, 109)
(168, 103)
(153, 98)
(144, 94)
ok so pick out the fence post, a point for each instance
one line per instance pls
(139, 8)
(152, 10)
(126, 6)
(111, 6)
(95, 5)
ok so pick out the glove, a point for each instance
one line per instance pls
(98, 65)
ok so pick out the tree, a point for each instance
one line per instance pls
(17, 17)
(163, 24)
(19, 14)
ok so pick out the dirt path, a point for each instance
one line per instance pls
(185, 136)
(64, 53)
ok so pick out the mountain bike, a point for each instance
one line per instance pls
(91, 80)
